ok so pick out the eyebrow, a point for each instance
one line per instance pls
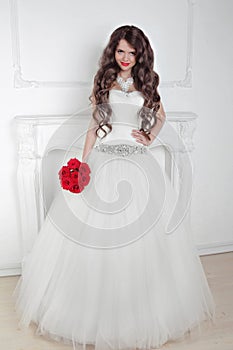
(124, 51)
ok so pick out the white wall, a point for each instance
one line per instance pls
(49, 53)
(212, 207)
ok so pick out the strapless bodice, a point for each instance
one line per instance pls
(119, 96)
(124, 118)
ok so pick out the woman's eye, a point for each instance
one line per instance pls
(131, 53)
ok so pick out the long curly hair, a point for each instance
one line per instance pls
(146, 80)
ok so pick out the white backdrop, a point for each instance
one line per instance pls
(49, 54)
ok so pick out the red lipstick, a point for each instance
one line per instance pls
(124, 64)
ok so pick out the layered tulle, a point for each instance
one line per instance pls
(95, 277)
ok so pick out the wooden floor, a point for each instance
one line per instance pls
(219, 271)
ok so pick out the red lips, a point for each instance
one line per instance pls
(124, 64)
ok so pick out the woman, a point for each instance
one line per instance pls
(109, 275)
(119, 67)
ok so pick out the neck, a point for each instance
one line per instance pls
(125, 75)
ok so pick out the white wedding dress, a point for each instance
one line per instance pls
(103, 270)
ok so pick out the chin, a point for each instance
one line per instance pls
(125, 68)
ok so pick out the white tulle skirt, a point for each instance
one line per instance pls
(103, 270)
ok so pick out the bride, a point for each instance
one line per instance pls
(103, 271)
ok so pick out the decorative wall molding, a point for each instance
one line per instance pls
(215, 248)
(186, 82)
(13, 269)
(21, 82)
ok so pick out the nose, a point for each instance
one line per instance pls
(126, 56)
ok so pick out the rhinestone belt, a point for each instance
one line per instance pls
(121, 149)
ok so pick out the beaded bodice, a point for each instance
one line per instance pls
(124, 118)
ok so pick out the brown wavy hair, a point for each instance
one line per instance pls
(146, 80)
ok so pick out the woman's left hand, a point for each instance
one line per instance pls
(141, 137)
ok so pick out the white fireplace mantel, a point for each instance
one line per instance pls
(38, 135)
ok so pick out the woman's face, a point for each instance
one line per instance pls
(125, 55)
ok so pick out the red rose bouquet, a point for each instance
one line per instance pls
(74, 176)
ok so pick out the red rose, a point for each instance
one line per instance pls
(66, 183)
(84, 179)
(84, 168)
(73, 163)
(74, 174)
(76, 188)
(64, 172)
